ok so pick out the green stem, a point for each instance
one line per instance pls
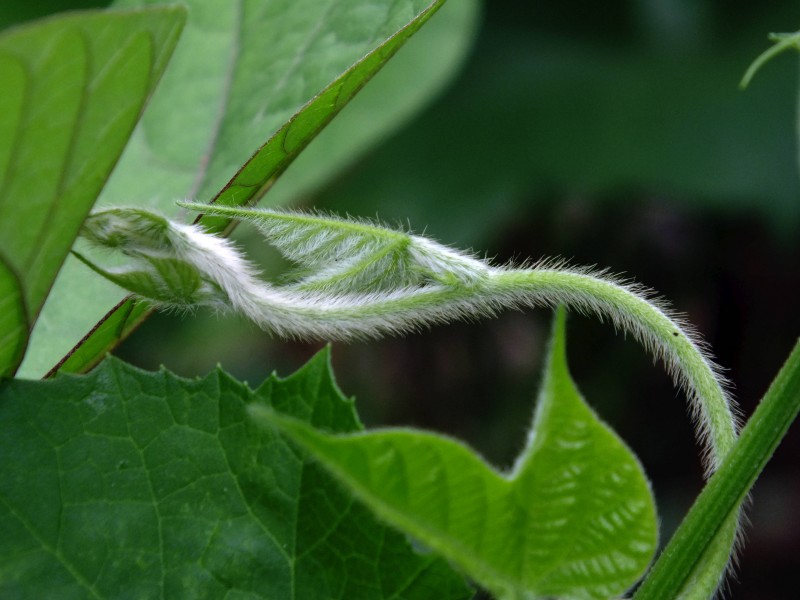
(783, 41)
(728, 487)
(665, 336)
(437, 284)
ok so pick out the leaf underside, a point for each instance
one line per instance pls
(73, 89)
(575, 518)
(163, 487)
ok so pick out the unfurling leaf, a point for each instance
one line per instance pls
(349, 255)
(364, 280)
(264, 77)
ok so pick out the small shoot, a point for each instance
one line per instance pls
(782, 42)
(362, 280)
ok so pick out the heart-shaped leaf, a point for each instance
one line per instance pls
(574, 518)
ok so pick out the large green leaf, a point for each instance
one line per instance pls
(574, 518)
(73, 89)
(143, 485)
(243, 73)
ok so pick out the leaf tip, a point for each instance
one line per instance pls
(558, 340)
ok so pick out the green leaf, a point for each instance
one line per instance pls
(160, 271)
(163, 487)
(13, 322)
(73, 89)
(76, 88)
(351, 256)
(418, 72)
(575, 517)
(267, 70)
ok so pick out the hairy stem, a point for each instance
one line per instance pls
(297, 314)
(662, 334)
(364, 280)
(361, 280)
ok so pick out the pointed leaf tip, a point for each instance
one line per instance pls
(575, 519)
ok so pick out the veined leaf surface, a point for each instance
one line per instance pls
(159, 487)
(13, 321)
(574, 518)
(73, 89)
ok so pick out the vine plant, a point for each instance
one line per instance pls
(360, 279)
(154, 486)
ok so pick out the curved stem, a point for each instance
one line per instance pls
(667, 337)
(436, 284)
(298, 314)
(627, 307)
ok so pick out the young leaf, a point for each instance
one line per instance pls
(338, 299)
(575, 517)
(348, 256)
(334, 254)
(281, 71)
(163, 487)
(73, 89)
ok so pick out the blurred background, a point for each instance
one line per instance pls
(609, 134)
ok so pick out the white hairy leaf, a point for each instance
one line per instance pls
(349, 255)
(360, 279)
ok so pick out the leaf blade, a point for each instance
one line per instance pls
(507, 532)
(564, 441)
(13, 322)
(162, 486)
(77, 85)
